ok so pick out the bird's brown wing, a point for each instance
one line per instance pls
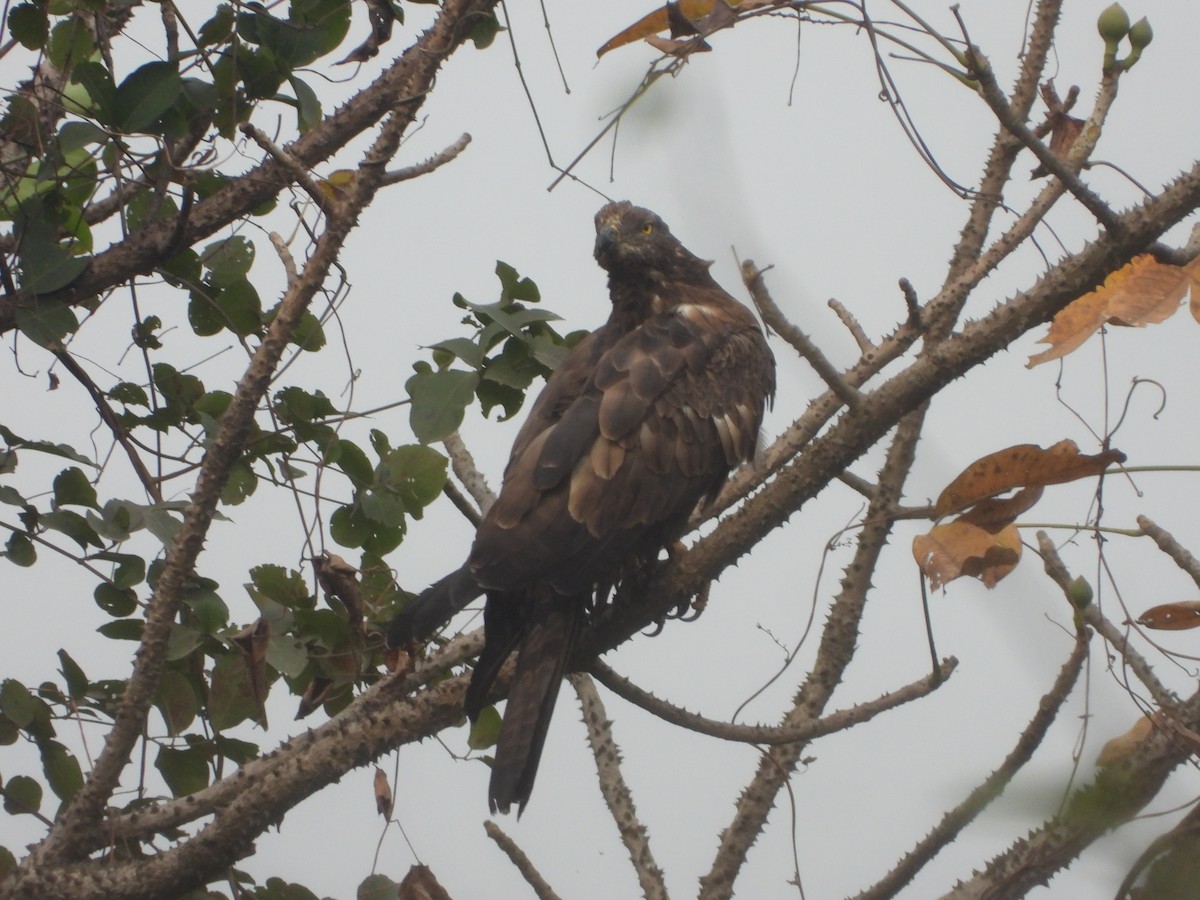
(616, 461)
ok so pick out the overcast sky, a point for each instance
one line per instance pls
(776, 143)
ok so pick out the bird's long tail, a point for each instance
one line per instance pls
(545, 648)
(433, 607)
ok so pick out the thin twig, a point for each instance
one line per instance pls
(1168, 545)
(119, 432)
(434, 162)
(771, 734)
(752, 277)
(518, 858)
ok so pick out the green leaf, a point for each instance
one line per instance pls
(241, 484)
(8, 863)
(117, 602)
(228, 260)
(485, 730)
(350, 458)
(15, 441)
(309, 334)
(349, 527)
(415, 473)
(384, 507)
(230, 697)
(185, 771)
(22, 795)
(72, 488)
(17, 703)
(145, 95)
(27, 22)
(130, 394)
(77, 135)
(77, 681)
(514, 287)
(211, 613)
(20, 550)
(122, 629)
(62, 770)
(287, 655)
(308, 105)
(161, 524)
(70, 42)
(95, 78)
(130, 569)
(285, 586)
(73, 525)
(439, 402)
(47, 322)
(217, 29)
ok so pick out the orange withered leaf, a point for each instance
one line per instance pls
(954, 549)
(383, 793)
(1143, 292)
(685, 17)
(1021, 466)
(995, 513)
(1172, 616)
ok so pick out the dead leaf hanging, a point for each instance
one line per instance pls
(1143, 292)
(1021, 466)
(1172, 616)
(954, 549)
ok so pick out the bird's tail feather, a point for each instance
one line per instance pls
(433, 607)
(545, 649)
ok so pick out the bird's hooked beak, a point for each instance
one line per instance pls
(606, 237)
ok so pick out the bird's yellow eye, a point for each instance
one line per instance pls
(647, 228)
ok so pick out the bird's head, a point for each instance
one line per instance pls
(634, 242)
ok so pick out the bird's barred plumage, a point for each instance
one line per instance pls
(644, 419)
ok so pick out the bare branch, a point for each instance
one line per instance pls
(771, 734)
(1168, 545)
(463, 465)
(434, 162)
(530, 873)
(773, 316)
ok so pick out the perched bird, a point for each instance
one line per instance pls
(643, 420)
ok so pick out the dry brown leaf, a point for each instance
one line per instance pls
(1143, 292)
(1119, 748)
(958, 548)
(993, 514)
(1024, 465)
(314, 695)
(252, 641)
(383, 793)
(1172, 616)
(420, 884)
(339, 579)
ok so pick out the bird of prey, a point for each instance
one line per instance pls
(643, 421)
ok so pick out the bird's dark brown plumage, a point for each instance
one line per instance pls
(644, 419)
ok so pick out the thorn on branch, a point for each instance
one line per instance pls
(752, 277)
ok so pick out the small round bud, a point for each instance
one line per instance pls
(1079, 592)
(1113, 23)
(1141, 34)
